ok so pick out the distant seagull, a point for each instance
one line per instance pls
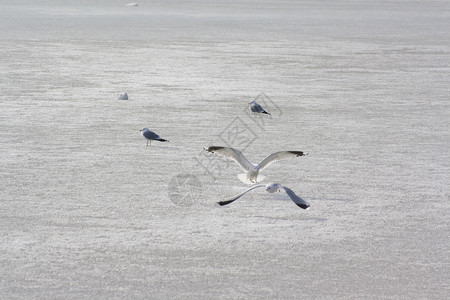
(123, 96)
(256, 108)
(271, 188)
(133, 4)
(252, 170)
(151, 136)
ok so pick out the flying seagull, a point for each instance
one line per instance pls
(151, 136)
(270, 188)
(256, 108)
(251, 170)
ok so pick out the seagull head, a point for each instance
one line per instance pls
(143, 129)
(272, 187)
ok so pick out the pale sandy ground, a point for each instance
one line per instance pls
(87, 210)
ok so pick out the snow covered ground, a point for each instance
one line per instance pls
(88, 211)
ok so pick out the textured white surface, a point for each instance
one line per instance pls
(85, 209)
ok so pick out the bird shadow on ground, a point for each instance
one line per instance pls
(162, 147)
(329, 199)
(286, 218)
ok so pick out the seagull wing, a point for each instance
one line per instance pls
(233, 154)
(260, 109)
(279, 156)
(150, 135)
(297, 200)
(228, 201)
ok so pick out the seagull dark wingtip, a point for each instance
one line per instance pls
(298, 153)
(213, 148)
(304, 206)
(222, 203)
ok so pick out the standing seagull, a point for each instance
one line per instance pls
(251, 170)
(123, 96)
(151, 136)
(256, 108)
(270, 188)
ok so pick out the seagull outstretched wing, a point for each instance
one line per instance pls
(297, 200)
(228, 201)
(279, 156)
(233, 154)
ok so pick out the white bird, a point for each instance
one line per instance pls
(151, 136)
(252, 170)
(256, 108)
(270, 188)
(123, 96)
(133, 4)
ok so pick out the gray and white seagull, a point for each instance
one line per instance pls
(151, 136)
(256, 108)
(251, 170)
(270, 188)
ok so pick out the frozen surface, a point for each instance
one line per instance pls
(87, 211)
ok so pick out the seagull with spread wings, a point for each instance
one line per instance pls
(251, 170)
(270, 188)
